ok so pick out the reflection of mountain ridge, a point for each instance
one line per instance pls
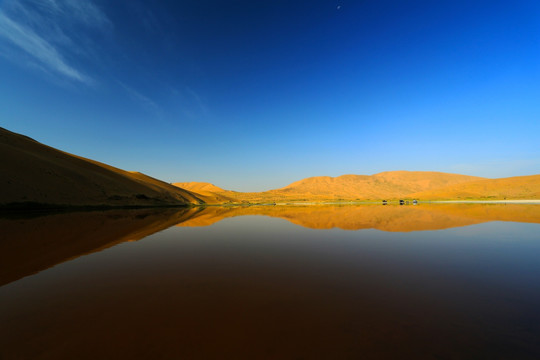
(30, 245)
(385, 218)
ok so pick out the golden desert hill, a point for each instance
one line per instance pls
(515, 188)
(210, 192)
(391, 185)
(200, 187)
(385, 185)
(37, 175)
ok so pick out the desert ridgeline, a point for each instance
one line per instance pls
(34, 175)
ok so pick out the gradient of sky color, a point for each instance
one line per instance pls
(253, 95)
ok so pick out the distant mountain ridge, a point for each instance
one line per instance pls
(390, 185)
(199, 187)
(34, 175)
(210, 192)
(385, 185)
(517, 187)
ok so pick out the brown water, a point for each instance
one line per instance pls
(351, 282)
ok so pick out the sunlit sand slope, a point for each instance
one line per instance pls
(210, 193)
(34, 175)
(386, 185)
(200, 187)
(392, 184)
(519, 187)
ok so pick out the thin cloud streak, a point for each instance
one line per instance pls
(75, 11)
(44, 29)
(198, 100)
(145, 101)
(190, 104)
(30, 42)
(86, 12)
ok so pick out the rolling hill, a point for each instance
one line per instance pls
(36, 175)
(200, 187)
(518, 187)
(209, 192)
(391, 184)
(385, 185)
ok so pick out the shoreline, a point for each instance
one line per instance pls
(54, 208)
(484, 201)
(378, 202)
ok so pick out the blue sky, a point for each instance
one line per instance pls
(253, 95)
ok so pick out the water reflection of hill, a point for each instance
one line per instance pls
(29, 245)
(385, 218)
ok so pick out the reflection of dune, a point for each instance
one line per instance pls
(386, 218)
(492, 212)
(31, 245)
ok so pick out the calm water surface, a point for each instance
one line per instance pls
(315, 282)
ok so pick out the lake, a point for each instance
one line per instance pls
(435, 281)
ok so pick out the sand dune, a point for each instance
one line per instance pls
(392, 185)
(200, 187)
(35, 175)
(386, 185)
(210, 192)
(518, 187)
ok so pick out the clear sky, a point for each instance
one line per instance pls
(253, 95)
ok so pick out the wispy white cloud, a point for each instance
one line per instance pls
(42, 12)
(83, 11)
(34, 45)
(45, 30)
(145, 101)
(198, 101)
(190, 103)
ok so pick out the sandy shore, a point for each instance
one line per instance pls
(485, 201)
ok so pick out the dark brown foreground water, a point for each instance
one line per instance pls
(318, 282)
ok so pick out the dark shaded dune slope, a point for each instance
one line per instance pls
(36, 175)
